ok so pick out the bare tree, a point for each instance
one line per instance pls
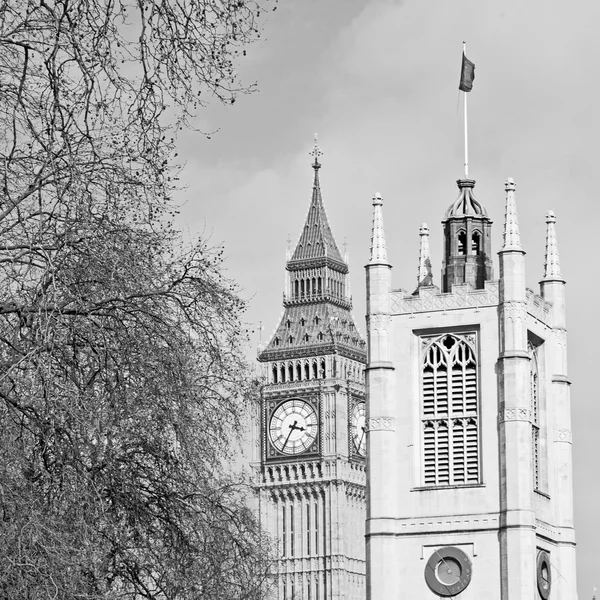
(122, 375)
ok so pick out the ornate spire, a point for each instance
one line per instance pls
(378, 250)
(316, 240)
(512, 239)
(552, 262)
(316, 152)
(424, 276)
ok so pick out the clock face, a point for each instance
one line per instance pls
(544, 578)
(448, 571)
(358, 428)
(293, 427)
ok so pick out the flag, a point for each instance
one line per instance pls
(467, 74)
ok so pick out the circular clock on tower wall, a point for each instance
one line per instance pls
(358, 428)
(293, 426)
(448, 571)
(544, 577)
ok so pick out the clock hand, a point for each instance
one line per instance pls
(361, 437)
(292, 427)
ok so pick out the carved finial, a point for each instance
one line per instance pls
(316, 152)
(424, 275)
(552, 262)
(378, 249)
(512, 238)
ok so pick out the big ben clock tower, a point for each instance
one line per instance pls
(310, 434)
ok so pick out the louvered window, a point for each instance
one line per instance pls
(450, 411)
(535, 409)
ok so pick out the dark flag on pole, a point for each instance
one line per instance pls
(467, 74)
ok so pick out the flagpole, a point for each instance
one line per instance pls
(465, 119)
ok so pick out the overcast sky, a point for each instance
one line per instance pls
(378, 82)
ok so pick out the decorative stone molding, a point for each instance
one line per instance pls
(378, 320)
(470, 338)
(381, 424)
(564, 435)
(513, 413)
(538, 308)
(431, 299)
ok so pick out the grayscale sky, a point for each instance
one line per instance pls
(378, 81)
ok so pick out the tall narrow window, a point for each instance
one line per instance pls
(462, 243)
(284, 531)
(475, 243)
(535, 409)
(316, 528)
(450, 412)
(291, 531)
(298, 372)
(308, 529)
(274, 374)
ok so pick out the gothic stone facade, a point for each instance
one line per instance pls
(469, 438)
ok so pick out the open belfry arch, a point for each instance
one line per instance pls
(469, 476)
(310, 434)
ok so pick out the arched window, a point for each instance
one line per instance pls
(317, 320)
(296, 286)
(314, 285)
(319, 285)
(291, 373)
(535, 410)
(274, 374)
(276, 341)
(302, 287)
(450, 412)
(322, 368)
(306, 337)
(462, 243)
(320, 336)
(314, 370)
(298, 372)
(303, 321)
(476, 243)
(282, 373)
(291, 339)
(306, 371)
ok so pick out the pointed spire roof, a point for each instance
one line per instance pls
(424, 275)
(378, 249)
(316, 239)
(512, 238)
(466, 205)
(552, 262)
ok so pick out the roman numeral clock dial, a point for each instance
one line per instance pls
(293, 427)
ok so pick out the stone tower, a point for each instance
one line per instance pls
(311, 439)
(469, 440)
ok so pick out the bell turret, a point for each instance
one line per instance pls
(467, 241)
